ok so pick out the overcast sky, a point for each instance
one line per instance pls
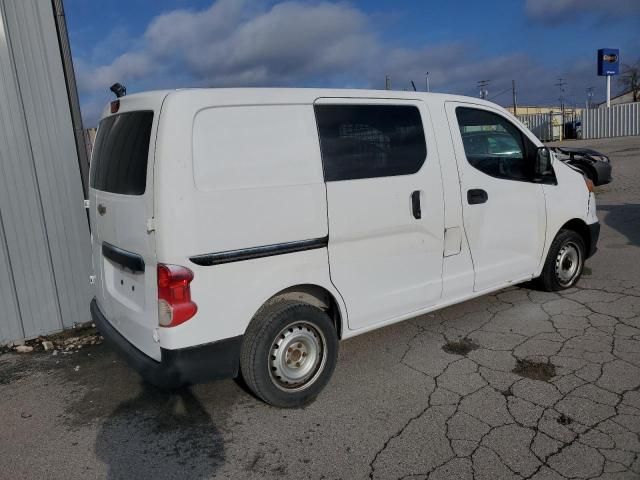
(184, 43)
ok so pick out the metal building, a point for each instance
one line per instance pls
(44, 233)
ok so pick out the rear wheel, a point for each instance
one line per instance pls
(564, 263)
(289, 353)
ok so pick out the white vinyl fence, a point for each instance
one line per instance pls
(615, 121)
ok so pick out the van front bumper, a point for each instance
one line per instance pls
(177, 368)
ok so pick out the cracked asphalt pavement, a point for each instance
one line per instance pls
(518, 384)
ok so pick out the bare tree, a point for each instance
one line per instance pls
(630, 79)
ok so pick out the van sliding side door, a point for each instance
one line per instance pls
(385, 206)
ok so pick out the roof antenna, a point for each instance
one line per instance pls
(118, 89)
(414, 86)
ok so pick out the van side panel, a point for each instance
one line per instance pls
(257, 172)
(567, 200)
(229, 295)
(233, 178)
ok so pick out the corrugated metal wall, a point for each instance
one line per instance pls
(546, 126)
(615, 121)
(44, 234)
(540, 124)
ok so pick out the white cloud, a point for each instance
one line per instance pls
(233, 43)
(130, 65)
(244, 43)
(564, 11)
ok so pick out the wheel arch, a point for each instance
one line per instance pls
(315, 295)
(580, 227)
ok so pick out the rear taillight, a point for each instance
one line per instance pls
(174, 295)
(115, 106)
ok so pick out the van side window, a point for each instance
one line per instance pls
(368, 141)
(495, 146)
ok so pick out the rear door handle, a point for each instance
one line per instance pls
(476, 196)
(415, 205)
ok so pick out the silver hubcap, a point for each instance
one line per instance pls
(568, 263)
(297, 356)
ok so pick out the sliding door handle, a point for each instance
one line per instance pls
(415, 205)
(476, 196)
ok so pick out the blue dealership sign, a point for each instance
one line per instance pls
(608, 61)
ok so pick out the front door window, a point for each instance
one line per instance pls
(495, 146)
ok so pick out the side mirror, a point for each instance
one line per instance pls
(543, 163)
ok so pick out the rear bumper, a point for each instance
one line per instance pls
(594, 234)
(177, 368)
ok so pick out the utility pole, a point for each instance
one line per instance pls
(387, 82)
(561, 84)
(589, 97)
(483, 86)
(515, 105)
(427, 81)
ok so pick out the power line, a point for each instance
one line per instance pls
(501, 93)
(561, 84)
(483, 87)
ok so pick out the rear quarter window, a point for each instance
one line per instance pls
(121, 151)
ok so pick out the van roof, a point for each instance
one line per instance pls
(295, 95)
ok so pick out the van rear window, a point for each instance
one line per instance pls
(119, 161)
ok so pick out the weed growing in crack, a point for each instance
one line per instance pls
(535, 370)
(461, 347)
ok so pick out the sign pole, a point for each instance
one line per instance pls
(608, 65)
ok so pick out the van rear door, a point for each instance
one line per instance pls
(121, 198)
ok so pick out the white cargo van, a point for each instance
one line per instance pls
(247, 231)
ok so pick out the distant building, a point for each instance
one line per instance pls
(534, 110)
(626, 97)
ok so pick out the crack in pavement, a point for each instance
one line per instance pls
(596, 353)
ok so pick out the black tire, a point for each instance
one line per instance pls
(557, 273)
(280, 335)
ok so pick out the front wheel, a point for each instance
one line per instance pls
(289, 353)
(565, 262)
